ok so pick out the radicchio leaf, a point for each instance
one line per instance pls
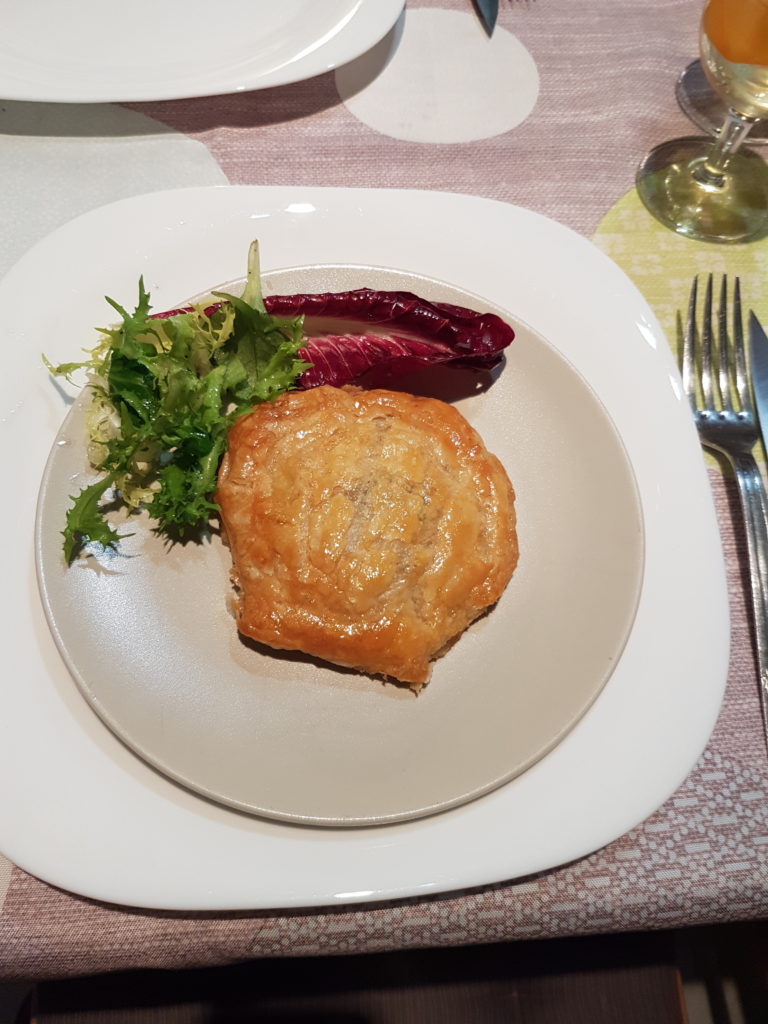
(422, 334)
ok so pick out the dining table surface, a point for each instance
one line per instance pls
(551, 113)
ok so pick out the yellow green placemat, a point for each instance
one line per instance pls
(662, 264)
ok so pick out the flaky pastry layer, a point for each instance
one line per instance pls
(367, 528)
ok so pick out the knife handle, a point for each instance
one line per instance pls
(754, 503)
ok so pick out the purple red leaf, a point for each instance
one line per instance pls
(411, 334)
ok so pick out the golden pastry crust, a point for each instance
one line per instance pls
(367, 528)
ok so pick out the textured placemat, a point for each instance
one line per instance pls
(662, 264)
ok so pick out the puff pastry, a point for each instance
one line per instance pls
(367, 528)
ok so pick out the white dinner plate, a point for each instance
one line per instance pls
(151, 842)
(89, 51)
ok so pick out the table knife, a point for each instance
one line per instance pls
(488, 10)
(758, 368)
(758, 365)
(758, 358)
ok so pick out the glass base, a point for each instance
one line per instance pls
(699, 102)
(736, 211)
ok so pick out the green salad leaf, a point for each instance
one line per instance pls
(165, 392)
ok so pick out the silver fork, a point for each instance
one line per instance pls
(717, 382)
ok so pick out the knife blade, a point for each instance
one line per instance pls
(489, 11)
(758, 362)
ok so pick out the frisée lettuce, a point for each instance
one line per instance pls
(164, 393)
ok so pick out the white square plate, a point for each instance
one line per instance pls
(82, 812)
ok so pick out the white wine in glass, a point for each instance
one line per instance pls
(717, 191)
(702, 105)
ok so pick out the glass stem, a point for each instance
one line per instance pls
(735, 129)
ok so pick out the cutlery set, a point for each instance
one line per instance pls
(726, 382)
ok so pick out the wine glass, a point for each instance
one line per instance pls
(717, 191)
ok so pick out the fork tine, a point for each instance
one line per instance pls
(707, 381)
(713, 359)
(743, 387)
(725, 367)
(690, 344)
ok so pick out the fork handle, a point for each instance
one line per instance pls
(754, 503)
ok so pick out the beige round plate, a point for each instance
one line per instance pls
(147, 635)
